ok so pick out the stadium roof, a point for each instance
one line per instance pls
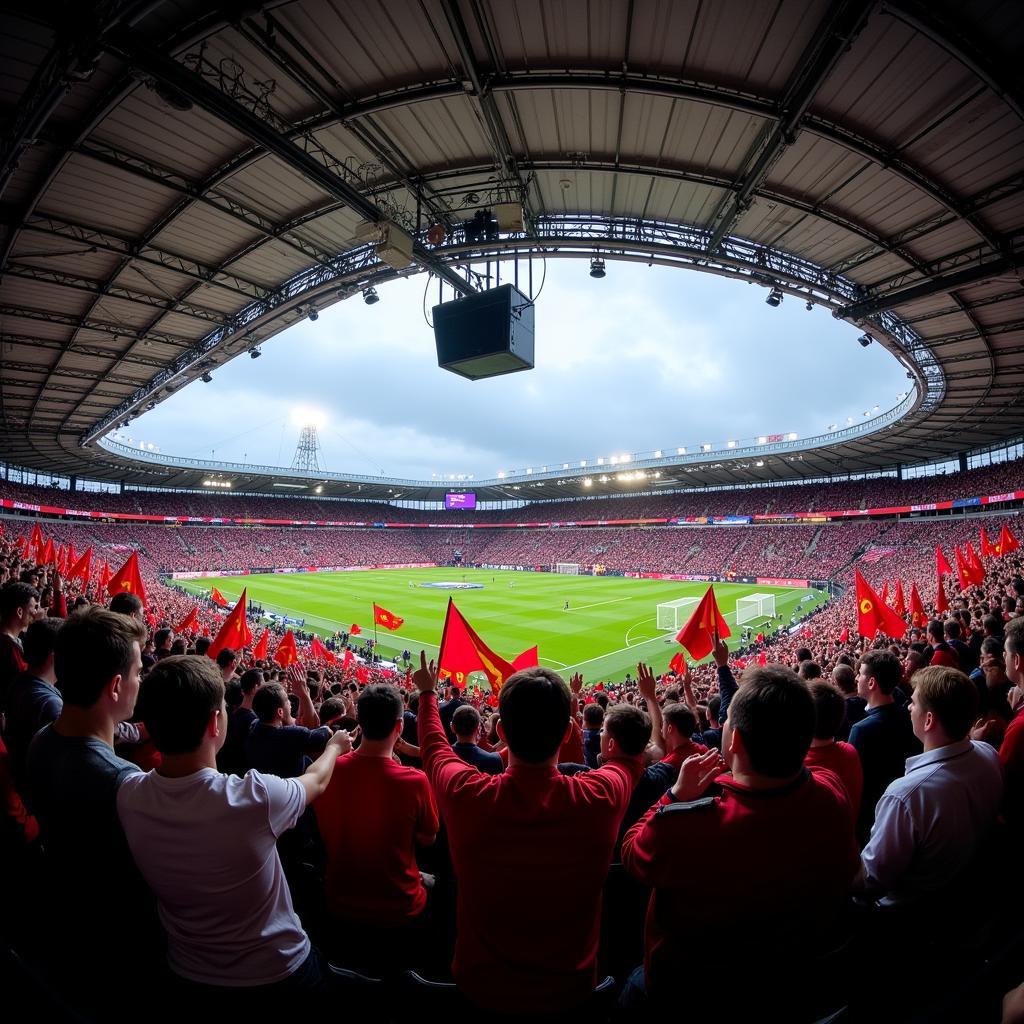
(177, 185)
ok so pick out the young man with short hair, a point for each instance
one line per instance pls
(884, 738)
(206, 844)
(371, 817)
(930, 821)
(466, 726)
(1011, 750)
(524, 830)
(241, 719)
(779, 839)
(19, 606)
(826, 750)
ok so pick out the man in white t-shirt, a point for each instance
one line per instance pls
(206, 843)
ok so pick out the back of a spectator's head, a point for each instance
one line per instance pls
(884, 668)
(803, 654)
(178, 646)
(993, 646)
(593, 716)
(162, 637)
(203, 644)
(602, 699)
(629, 727)
(829, 709)
(534, 709)
(465, 722)
(714, 707)
(331, 709)
(992, 625)
(232, 692)
(936, 631)
(226, 657)
(177, 700)
(40, 642)
(845, 678)
(949, 696)
(125, 603)
(93, 646)
(251, 680)
(267, 701)
(379, 709)
(414, 703)
(951, 627)
(809, 670)
(15, 598)
(455, 691)
(681, 718)
(1014, 650)
(774, 714)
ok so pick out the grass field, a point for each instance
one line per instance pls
(609, 626)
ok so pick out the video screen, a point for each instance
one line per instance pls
(460, 501)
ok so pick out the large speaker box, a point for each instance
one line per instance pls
(486, 334)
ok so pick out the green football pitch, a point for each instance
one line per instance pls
(610, 624)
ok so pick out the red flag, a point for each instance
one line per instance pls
(974, 566)
(942, 563)
(528, 659)
(128, 578)
(382, 617)
(941, 604)
(873, 615)
(82, 569)
(71, 557)
(1007, 541)
(35, 543)
(917, 615)
(61, 561)
(347, 660)
(885, 592)
(844, 636)
(190, 623)
(899, 604)
(696, 635)
(317, 650)
(260, 651)
(104, 580)
(462, 651)
(762, 658)
(678, 663)
(362, 675)
(355, 630)
(987, 550)
(49, 553)
(235, 631)
(218, 598)
(286, 652)
(963, 570)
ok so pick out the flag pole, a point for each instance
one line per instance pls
(374, 613)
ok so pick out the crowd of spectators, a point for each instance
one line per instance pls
(227, 825)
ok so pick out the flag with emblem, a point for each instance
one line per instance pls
(128, 578)
(317, 650)
(899, 603)
(36, 542)
(218, 598)
(235, 631)
(678, 663)
(82, 568)
(917, 615)
(382, 617)
(987, 547)
(528, 659)
(189, 624)
(697, 636)
(873, 616)
(1007, 541)
(462, 651)
(287, 653)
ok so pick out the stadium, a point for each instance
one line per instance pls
(759, 690)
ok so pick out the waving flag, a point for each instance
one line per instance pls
(678, 663)
(963, 570)
(941, 604)
(49, 553)
(528, 659)
(317, 650)
(873, 616)
(354, 630)
(1007, 541)
(917, 615)
(987, 547)
(235, 631)
(462, 651)
(382, 617)
(189, 624)
(218, 598)
(899, 604)
(128, 578)
(286, 653)
(260, 651)
(974, 566)
(844, 636)
(348, 660)
(942, 563)
(697, 635)
(82, 568)
(36, 542)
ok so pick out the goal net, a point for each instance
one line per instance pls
(566, 568)
(673, 614)
(755, 608)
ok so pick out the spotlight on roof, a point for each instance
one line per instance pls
(370, 296)
(864, 340)
(254, 353)
(597, 267)
(313, 314)
(809, 306)
(774, 297)
(206, 378)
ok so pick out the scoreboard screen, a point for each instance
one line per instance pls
(460, 501)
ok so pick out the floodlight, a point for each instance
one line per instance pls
(774, 297)
(206, 378)
(597, 267)
(370, 296)
(313, 314)
(864, 340)
(254, 353)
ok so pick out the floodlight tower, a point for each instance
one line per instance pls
(307, 454)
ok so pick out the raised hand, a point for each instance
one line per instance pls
(425, 677)
(696, 773)
(576, 683)
(720, 652)
(645, 682)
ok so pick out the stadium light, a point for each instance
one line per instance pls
(762, 440)
(774, 297)
(597, 270)
(809, 306)
(370, 296)
(604, 479)
(705, 447)
(792, 437)
(206, 378)
(613, 461)
(254, 353)
(588, 482)
(731, 444)
(680, 451)
(319, 489)
(759, 463)
(308, 416)
(583, 463)
(657, 454)
(864, 340)
(313, 314)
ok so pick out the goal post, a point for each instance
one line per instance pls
(673, 614)
(755, 608)
(566, 568)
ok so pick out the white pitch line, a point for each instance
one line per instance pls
(613, 600)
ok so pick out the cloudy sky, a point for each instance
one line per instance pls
(647, 358)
